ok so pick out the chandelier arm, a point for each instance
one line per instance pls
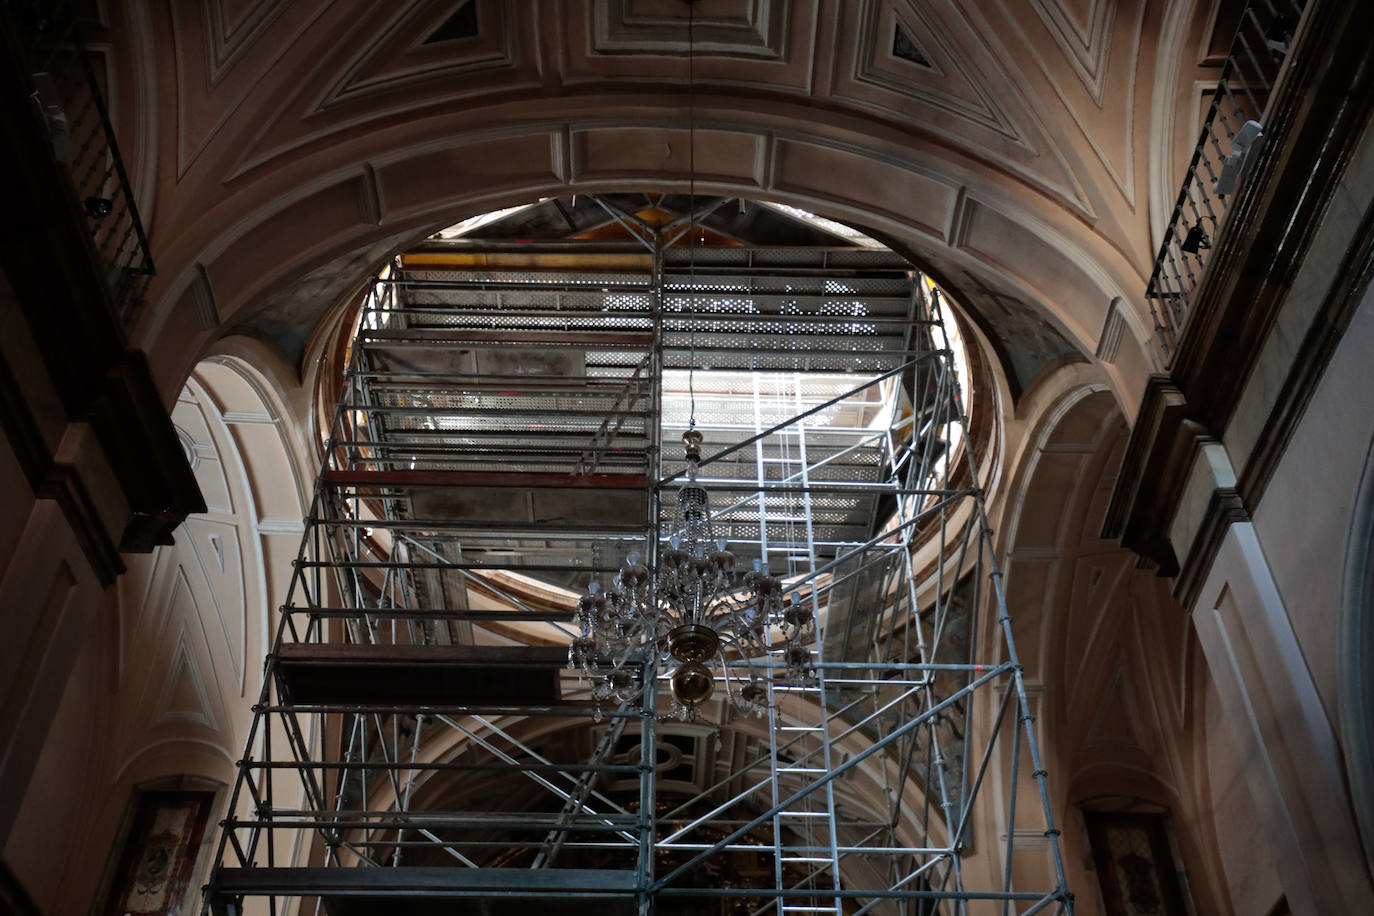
(686, 613)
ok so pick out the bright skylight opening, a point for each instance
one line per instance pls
(848, 233)
(473, 223)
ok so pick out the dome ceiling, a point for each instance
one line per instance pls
(1020, 150)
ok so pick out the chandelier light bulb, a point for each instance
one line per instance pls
(755, 696)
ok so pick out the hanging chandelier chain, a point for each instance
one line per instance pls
(691, 211)
(694, 608)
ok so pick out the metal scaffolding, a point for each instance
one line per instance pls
(503, 437)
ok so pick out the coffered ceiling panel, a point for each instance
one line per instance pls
(363, 69)
(922, 200)
(963, 96)
(722, 155)
(416, 49)
(745, 28)
(757, 43)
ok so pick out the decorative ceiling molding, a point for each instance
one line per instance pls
(247, 418)
(748, 44)
(1116, 722)
(230, 28)
(1095, 610)
(1086, 45)
(218, 556)
(951, 96)
(327, 116)
(402, 54)
(382, 65)
(188, 446)
(203, 295)
(216, 73)
(661, 27)
(1111, 35)
(184, 697)
(1109, 341)
(945, 81)
(291, 526)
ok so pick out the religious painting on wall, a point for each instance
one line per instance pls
(1134, 864)
(154, 871)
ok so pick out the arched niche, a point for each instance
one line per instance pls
(1111, 662)
(163, 684)
(1356, 665)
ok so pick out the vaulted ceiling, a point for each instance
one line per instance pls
(1022, 150)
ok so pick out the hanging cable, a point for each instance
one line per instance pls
(691, 216)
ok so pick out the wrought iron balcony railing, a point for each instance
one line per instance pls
(69, 103)
(1231, 137)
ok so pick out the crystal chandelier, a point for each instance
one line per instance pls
(694, 615)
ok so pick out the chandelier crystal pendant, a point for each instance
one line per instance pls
(695, 615)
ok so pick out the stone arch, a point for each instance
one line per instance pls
(1104, 643)
(310, 243)
(1356, 664)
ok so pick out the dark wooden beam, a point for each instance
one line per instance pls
(483, 479)
(426, 890)
(568, 339)
(344, 675)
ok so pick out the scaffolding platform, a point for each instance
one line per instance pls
(481, 480)
(562, 340)
(338, 674)
(554, 502)
(422, 890)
